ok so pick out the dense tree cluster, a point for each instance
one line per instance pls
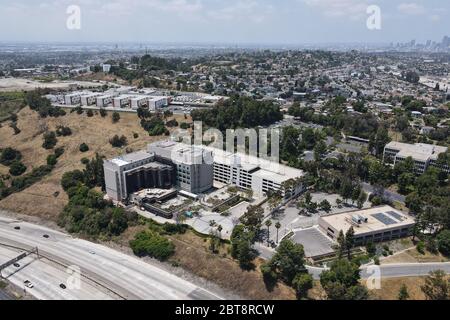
(239, 112)
(87, 212)
(118, 142)
(341, 281)
(150, 243)
(42, 105)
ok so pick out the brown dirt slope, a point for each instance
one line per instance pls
(39, 199)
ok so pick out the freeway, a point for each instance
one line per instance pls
(122, 275)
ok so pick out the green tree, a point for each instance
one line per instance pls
(349, 240)
(253, 218)
(84, 147)
(289, 260)
(443, 240)
(49, 140)
(362, 198)
(302, 283)
(325, 206)
(341, 243)
(242, 240)
(277, 226)
(115, 117)
(268, 223)
(341, 281)
(17, 168)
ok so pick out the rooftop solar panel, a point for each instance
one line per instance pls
(384, 219)
(395, 215)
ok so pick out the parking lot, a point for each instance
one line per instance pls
(314, 242)
(290, 219)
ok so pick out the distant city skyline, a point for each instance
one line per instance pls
(224, 22)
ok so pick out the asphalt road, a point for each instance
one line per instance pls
(394, 270)
(126, 276)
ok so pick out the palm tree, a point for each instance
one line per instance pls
(278, 226)
(268, 223)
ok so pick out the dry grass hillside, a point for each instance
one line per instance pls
(46, 198)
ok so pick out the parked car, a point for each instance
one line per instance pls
(28, 284)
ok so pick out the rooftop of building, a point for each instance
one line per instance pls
(378, 219)
(419, 151)
(263, 168)
(130, 158)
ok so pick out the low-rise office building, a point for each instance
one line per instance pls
(424, 155)
(377, 224)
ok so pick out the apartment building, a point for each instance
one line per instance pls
(423, 155)
(377, 224)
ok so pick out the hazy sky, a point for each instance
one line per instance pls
(227, 21)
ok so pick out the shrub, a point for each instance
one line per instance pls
(103, 113)
(421, 247)
(17, 168)
(443, 242)
(71, 179)
(9, 155)
(52, 160)
(172, 123)
(90, 113)
(115, 117)
(118, 142)
(84, 161)
(59, 152)
(185, 125)
(63, 131)
(171, 228)
(135, 135)
(152, 244)
(49, 140)
(84, 147)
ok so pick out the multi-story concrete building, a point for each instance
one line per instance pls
(244, 171)
(376, 224)
(194, 169)
(194, 173)
(423, 155)
(134, 172)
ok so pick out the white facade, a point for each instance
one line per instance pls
(424, 155)
(104, 100)
(155, 103)
(89, 99)
(72, 98)
(140, 101)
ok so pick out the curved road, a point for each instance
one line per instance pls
(126, 276)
